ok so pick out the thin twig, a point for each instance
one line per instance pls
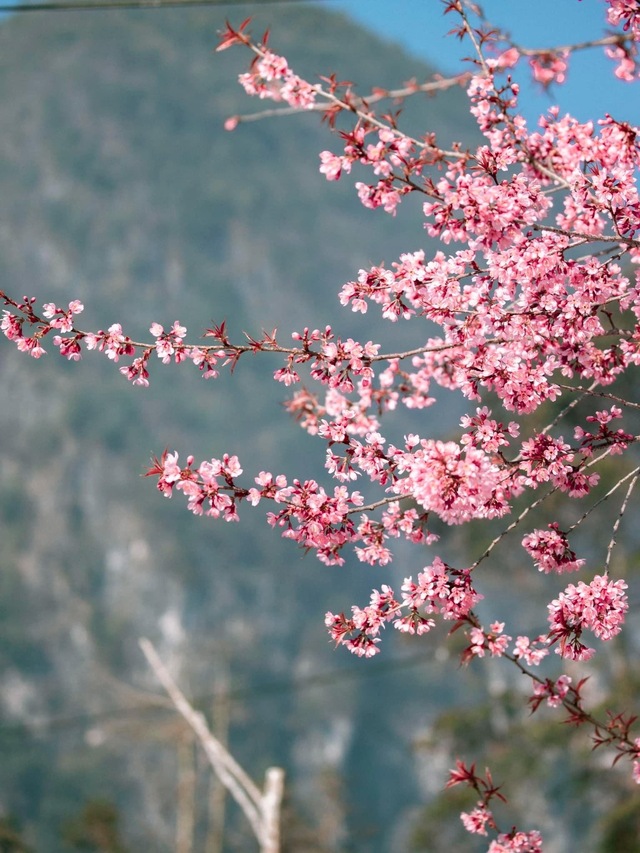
(589, 391)
(512, 526)
(602, 500)
(564, 411)
(619, 518)
(569, 48)
(587, 238)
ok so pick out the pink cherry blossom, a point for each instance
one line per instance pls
(553, 691)
(517, 842)
(625, 13)
(532, 652)
(11, 326)
(476, 820)
(549, 68)
(457, 485)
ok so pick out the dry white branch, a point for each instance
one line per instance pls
(262, 810)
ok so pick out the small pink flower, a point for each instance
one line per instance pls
(549, 67)
(509, 58)
(626, 67)
(476, 820)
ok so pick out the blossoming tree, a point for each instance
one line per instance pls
(531, 312)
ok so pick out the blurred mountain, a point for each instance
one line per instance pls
(119, 186)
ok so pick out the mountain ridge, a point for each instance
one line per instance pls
(120, 187)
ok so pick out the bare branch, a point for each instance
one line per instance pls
(232, 776)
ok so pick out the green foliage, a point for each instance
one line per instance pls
(621, 827)
(95, 829)
(11, 838)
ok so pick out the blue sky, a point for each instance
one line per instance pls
(591, 89)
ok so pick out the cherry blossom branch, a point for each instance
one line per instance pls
(570, 698)
(604, 41)
(614, 732)
(527, 509)
(565, 411)
(304, 99)
(171, 343)
(438, 85)
(632, 474)
(536, 231)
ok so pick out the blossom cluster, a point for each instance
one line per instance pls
(60, 319)
(599, 607)
(457, 485)
(270, 77)
(440, 589)
(550, 550)
(553, 692)
(210, 488)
